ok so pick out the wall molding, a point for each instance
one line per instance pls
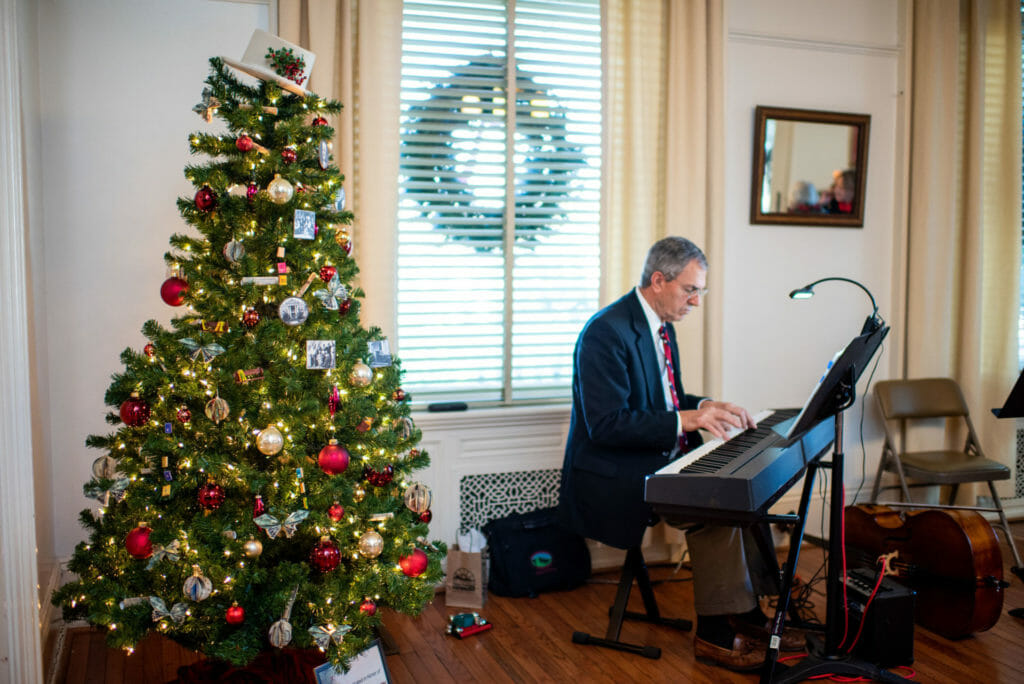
(802, 43)
(20, 652)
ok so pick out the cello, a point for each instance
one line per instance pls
(951, 558)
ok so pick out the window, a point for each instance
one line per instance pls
(498, 254)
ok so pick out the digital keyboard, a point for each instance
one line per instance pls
(739, 479)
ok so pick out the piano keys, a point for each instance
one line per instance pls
(738, 480)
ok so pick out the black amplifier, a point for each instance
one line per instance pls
(888, 635)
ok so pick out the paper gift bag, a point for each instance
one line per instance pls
(465, 580)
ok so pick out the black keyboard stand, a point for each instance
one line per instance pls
(633, 568)
(823, 659)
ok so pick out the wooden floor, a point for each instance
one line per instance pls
(531, 642)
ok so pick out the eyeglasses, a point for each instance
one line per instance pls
(690, 291)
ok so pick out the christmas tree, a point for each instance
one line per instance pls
(258, 489)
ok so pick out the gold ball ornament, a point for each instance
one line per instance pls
(252, 548)
(358, 494)
(217, 409)
(361, 375)
(280, 190)
(371, 544)
(418, 497)
(270, 441)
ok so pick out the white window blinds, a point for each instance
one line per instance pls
(498, 261)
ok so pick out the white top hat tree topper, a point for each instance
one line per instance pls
(270, 58)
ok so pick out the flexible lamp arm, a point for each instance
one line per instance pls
(873, 322)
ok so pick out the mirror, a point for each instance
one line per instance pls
(810, 167)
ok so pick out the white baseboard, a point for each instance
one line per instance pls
(51, 622)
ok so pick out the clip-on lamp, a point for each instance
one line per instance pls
(873, 322)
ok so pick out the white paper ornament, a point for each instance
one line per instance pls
(280, 633)
(233, 251)
(293, 311)
(198, 587)
(104, 467)
(324, 154)
(418, 497)
(217, 409)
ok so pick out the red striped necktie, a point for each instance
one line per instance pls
(666, 346)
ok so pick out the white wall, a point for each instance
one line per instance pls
(830, 55)
(118, 79)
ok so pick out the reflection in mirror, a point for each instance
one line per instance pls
(809, 167)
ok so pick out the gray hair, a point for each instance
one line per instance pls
(670, 255)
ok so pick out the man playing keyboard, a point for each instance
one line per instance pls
(631, 416)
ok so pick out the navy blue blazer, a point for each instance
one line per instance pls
(620, 429)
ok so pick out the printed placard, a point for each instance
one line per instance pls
(369, 667)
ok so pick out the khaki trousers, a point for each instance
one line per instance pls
(728, 571)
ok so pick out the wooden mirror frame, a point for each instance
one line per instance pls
(860, 122)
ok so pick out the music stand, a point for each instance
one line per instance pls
(835, 392)
(1014, 406)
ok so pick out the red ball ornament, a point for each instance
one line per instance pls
(288, 155)
(368, 607)
(333, 459)
(184, 415)
(379, 478)
(319, 121)
(134, 411)
(206, 198)
(210, 496)
(251, 318)
(150, 350)
(251, 190)
(173, 291)
(235, 615)
(336, 512)
(137, 542)
(414, 564)
(327, 272)
(243, 142)
(398, 394)
(343, 306)
(426, 516)
(346, 245)
(325, 555)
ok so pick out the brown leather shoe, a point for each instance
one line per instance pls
(792, 639)
(747, 653)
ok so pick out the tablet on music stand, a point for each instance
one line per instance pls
(1014, 406)
(845, 367)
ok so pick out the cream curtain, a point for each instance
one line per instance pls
(358, 48)
(663, 153)
(963, 264)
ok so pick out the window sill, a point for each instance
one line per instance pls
(503, 416)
